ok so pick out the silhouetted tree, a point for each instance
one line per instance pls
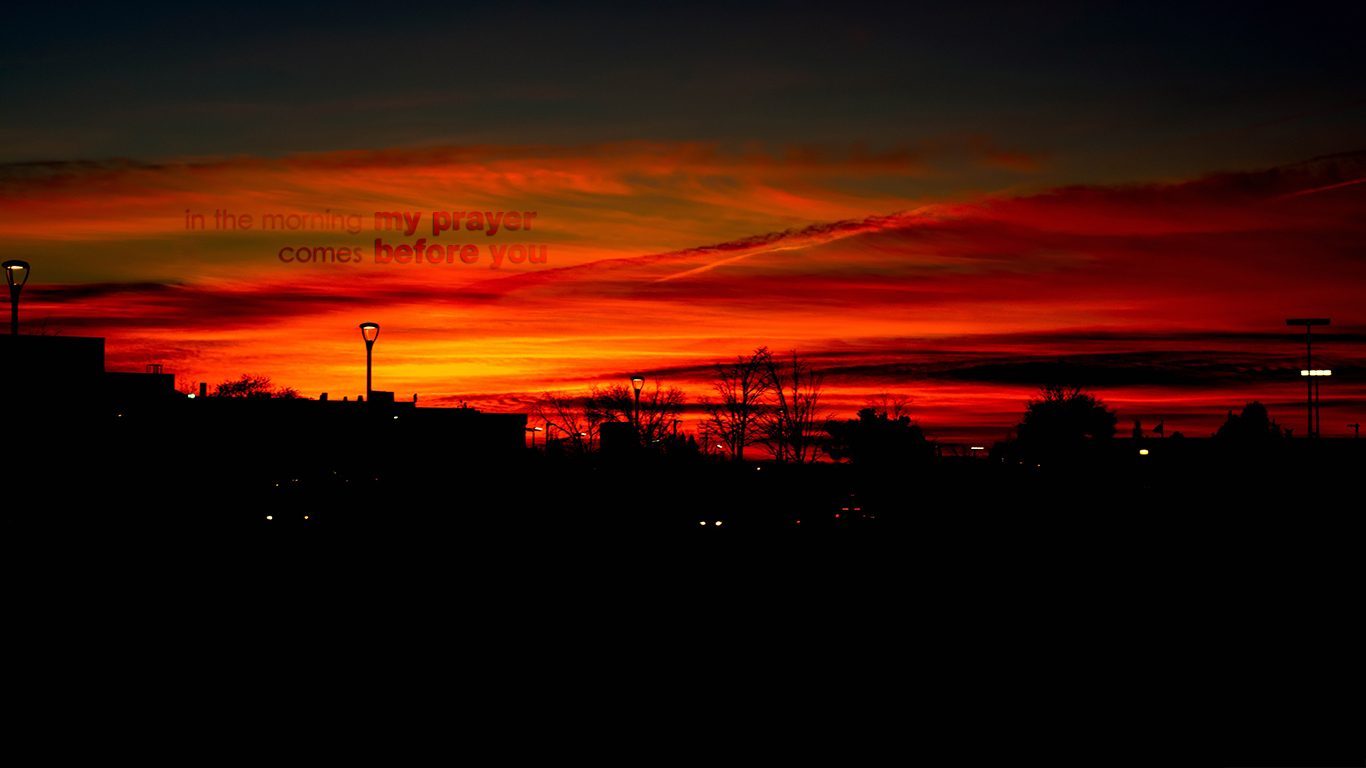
(791, 426)
(252, 386)
(742, 388)
(1061, 421)
(658, 409)
(874, 438)
(678, 447)
(1254, 423)
(564, 416)
(892, 406)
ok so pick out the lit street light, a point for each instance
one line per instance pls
(637, 382)
(369, 332)
(16, 274)
(1316, 373)
(1309, 323)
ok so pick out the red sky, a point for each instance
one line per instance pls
(1167, 299)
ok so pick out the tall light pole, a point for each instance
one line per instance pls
(16, 274)
(369, 332)
(1309, 323)
(1315, 374)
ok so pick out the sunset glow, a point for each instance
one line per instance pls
(954, 262)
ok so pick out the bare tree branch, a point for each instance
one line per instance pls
(253, 386)
(617, 402)
(569, 418)
(791, 427)
(741, 388)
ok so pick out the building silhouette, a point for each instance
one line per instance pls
(82, 437)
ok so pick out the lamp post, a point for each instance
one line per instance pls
(637, 382)
(16, 274)
(1309, 323)
(533, 431)
(369, 332)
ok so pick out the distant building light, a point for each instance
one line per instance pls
(1316, 372)
(1142, 451)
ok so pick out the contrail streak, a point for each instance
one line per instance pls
(1318, 189)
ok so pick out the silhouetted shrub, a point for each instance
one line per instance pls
(1062, 422)
(1254, 423)
(875, 438)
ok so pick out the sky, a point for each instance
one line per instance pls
(952, 203)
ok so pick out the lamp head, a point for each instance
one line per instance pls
(16, 273)
(637, 382)
(369, 331)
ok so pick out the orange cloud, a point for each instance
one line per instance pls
(666, 258)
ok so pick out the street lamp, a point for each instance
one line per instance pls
(1309, 323)
(369, 332)
(637, 382)
(16, 274)
(533, 431)
(1315, 373)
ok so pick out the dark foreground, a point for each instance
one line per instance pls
(980, 607)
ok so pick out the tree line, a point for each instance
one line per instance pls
(763, 400)
(774, 402)
(759, 400)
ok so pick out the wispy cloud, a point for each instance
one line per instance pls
(1163, 291)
